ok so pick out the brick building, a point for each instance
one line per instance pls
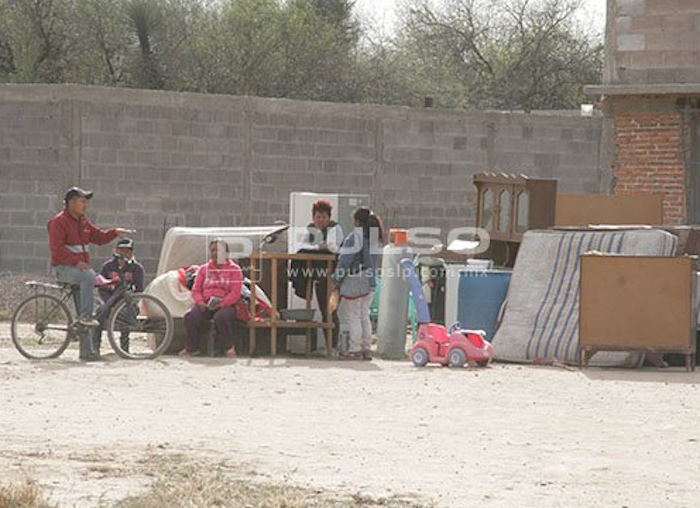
(651, 92)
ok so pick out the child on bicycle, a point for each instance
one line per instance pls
(122, 266)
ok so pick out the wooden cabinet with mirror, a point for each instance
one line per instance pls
(508, 205)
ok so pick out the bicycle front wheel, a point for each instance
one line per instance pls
(140, 327)
(40, 327)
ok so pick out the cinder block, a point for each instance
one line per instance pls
(38, 265)
(18, 249)
(10, 234)
(662, 6)
(49, 156)
(688, 6)
(631, 42)
(647, 24)
(37, 202)
(22, 218)
(32, 234)
(646, 59)
(664, 42)
(689, 75)
(12, 202)
(679, 23)
(10, 264)
(546, 160)
(662, 76)
(633, 76)
(680, 59)
(623, 25)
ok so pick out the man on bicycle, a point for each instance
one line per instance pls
(124, 267)
(70, 234)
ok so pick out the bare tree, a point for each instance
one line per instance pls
(516, 54)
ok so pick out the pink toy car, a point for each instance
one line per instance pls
(435, 344)
(454, 349)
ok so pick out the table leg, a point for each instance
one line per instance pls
(253, 303)
(251, 341)
(273, 318)
(273, 340)
(328, 332)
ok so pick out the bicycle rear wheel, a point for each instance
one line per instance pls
(40, 327)
(140, 327)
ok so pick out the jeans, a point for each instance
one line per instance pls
(86, 280)
(96, 332)
(355, 324)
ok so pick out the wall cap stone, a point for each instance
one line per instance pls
(658, 89)
(143, 97)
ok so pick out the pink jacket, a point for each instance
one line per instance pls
(221, 281)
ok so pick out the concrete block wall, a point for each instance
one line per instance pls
(154, 167)
(30, 152)
(160, 159)
(652, 42)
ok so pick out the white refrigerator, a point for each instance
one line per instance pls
(300, 205)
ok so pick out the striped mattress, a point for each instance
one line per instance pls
(541, 318)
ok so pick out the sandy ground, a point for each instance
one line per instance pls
(503, 436)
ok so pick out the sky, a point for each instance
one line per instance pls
(382, 13)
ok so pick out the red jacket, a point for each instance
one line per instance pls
(221, 281)
(69, 238)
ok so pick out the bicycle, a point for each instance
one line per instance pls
(43, 325)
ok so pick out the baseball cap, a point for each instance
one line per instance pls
(125, 243)
(77, 192)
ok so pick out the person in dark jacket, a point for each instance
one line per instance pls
(324, 236)
(122, 266)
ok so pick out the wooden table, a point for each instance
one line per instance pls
(273, 323)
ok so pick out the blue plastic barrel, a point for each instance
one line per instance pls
(480, 296)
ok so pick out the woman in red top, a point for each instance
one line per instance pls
(217, 288)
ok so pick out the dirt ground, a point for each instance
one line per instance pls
(505, 436)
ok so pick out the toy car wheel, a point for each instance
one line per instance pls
(456, 358)
(419, 357)
(483, 363)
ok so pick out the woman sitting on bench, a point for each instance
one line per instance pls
(217, 288)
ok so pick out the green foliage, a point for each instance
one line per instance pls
(515, 54)
(506, 54)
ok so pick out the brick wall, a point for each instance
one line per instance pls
(650, 159)
(160, 159)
